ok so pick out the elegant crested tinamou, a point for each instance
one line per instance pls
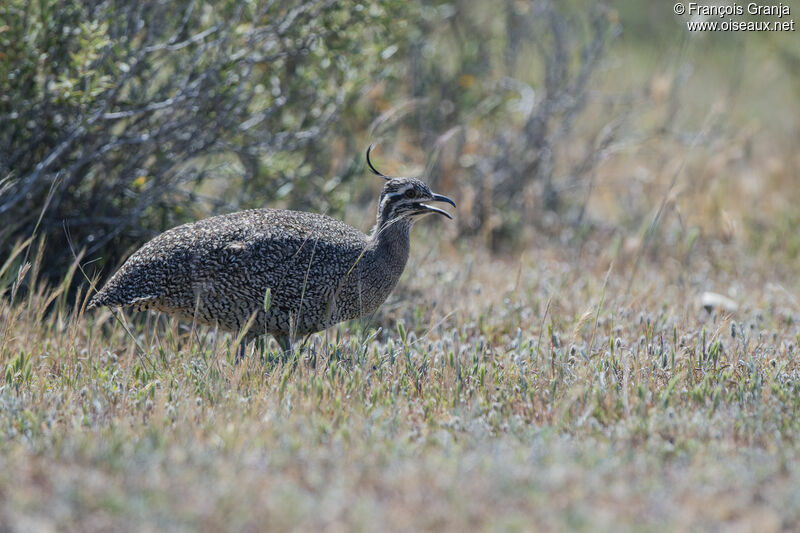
(314, 270)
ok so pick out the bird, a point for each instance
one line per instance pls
(272, 271)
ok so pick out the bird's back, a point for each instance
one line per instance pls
(218, 269)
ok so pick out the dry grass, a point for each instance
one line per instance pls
(519, 393)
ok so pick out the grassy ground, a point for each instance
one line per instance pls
(552, 390)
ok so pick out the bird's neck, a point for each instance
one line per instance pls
(391, 233)
(389, 245)
(378, 267)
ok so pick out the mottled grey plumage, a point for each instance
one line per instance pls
(319, 271)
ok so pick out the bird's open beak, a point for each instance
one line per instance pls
(439, 198)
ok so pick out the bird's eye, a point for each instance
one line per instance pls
(410, 193)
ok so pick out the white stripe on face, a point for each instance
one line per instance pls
(398, 193)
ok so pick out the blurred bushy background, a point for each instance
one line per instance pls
(584, 122)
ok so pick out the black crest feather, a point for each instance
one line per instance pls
(372, 167)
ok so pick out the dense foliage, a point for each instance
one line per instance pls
(119, 117)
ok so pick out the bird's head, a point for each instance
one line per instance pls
(403, 200)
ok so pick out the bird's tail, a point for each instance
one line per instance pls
(98, 300)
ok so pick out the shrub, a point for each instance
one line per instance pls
(121, 119)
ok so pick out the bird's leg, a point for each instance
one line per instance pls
(240, 350)
(285, 343)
